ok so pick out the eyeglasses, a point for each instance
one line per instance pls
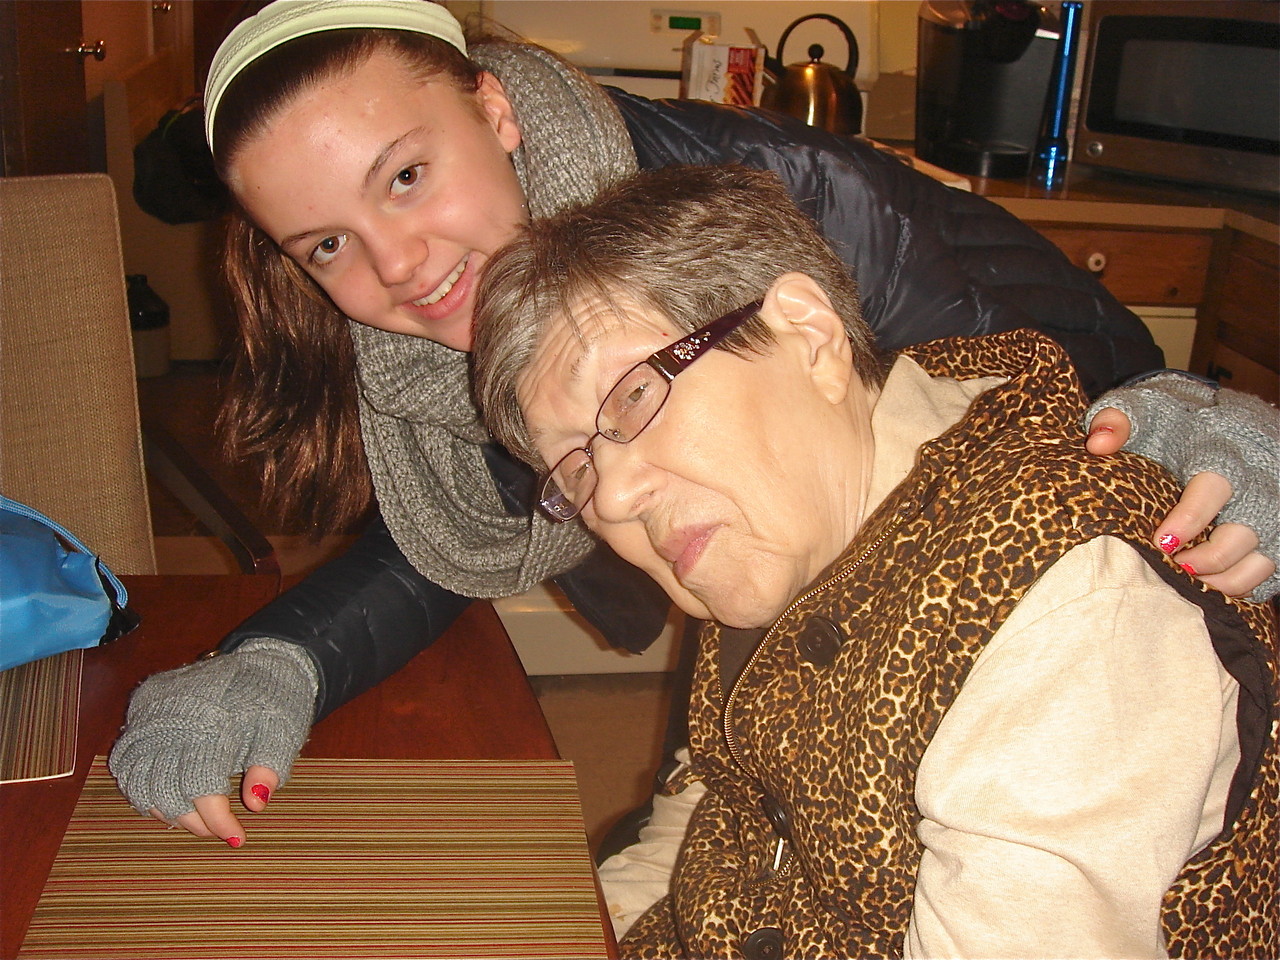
(630, 407)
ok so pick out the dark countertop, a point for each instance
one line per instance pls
(1095, 195)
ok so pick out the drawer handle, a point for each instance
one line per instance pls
(1096, 262)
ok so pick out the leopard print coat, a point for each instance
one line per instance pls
(827, 724)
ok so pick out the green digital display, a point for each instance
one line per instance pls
(684, 23)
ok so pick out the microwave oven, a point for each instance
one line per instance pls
(1183, 90)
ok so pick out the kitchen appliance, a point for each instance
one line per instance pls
(983, 69)
(817, 93)
(1186, 90)
(637, 46)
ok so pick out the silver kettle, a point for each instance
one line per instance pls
(817, 93)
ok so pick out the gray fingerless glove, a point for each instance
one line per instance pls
(1189, 427)
(189, 730)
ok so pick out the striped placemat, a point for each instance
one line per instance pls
(356, 858)
(39, 712)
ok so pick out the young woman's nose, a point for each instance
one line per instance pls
(396, 254)
(625, 481)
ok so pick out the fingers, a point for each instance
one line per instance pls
(1242, 578)
(212, 817)
(1203, 498)
(190, 821)
(1108, 432)
(1228, 560)
(215, 811)
(257, 788)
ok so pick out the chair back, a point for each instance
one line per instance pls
(70, 442)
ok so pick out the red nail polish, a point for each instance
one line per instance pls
(1169, 543)
(234, 841)
(1189, 568)
(260, 791)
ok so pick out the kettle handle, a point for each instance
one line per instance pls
(850, 39)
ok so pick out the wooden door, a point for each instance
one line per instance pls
(43, 117)
(52, 97)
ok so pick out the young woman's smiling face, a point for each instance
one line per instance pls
(390, 192)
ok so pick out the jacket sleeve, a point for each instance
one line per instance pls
(931, 261)
(360, 617)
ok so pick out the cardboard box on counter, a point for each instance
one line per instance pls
(720, 71)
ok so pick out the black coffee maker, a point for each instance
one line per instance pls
(983, 68)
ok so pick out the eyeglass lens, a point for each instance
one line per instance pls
(630, 407)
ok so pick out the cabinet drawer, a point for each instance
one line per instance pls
(1139, 266)
(1235, 370)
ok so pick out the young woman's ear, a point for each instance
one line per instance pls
(797, 308)
(497, 110)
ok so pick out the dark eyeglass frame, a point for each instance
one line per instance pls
(669, 362)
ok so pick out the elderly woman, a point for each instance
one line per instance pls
(948, 699)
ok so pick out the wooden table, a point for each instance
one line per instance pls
(466, 697)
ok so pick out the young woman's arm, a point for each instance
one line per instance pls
(347, 626)
(360, 617)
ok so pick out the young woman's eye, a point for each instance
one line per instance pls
(406, 178)
(327, 249)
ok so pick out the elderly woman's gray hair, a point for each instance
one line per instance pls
(690, 242)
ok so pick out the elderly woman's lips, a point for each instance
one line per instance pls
(684, 547)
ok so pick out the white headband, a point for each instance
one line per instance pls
(285, 20)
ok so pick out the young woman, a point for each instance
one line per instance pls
(378, 161)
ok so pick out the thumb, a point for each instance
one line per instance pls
(1108, 432)
(258, 787)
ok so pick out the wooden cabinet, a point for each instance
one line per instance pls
(1210, 296)
(1139, 267)
(1202, 277)
(1159, 273)
(1238, 339)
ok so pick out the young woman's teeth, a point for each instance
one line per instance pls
(444, 287)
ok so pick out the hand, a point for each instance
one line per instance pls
(212, 816)
(1228, 560)
(191, 729)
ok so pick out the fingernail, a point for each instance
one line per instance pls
(1104, 429)
(234, 841)
(1169, 543)
(1189, 568)
(260, 791)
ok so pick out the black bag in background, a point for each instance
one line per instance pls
(173, 177)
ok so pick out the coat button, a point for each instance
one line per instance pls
(763, 944)
(777, 816)
(819, 641)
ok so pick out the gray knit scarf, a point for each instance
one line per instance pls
(421, 432)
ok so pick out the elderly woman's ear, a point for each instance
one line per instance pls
(801, 316)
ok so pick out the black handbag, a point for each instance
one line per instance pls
(173, 175)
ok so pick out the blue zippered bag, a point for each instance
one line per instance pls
(55, 593)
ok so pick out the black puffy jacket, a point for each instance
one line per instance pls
(930, 262)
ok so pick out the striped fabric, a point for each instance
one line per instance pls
(39, 711)
(356, 858)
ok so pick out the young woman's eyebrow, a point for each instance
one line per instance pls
(378, 162)
(385, 153)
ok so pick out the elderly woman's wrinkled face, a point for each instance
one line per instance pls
(748, 482)
(390, 192)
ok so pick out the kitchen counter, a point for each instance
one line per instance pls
(1098, 196)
